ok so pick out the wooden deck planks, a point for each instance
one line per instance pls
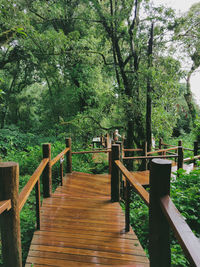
(81, 227)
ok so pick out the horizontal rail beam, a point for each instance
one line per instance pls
(5, 205)
(92, 152)
(187, 239)
(184, 148)
(134, 182)
(189, 159)
(153, 157)
(59, 156)
(24, 194)
(162, 150)
(132, 149)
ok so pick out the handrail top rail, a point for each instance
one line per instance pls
(59, 156)
(186, 237)
(24, 194)
(134, 182)
(5, 205)
(189, 159)
(153, 157)
(184, 148)
(132, 149)
(92, 151)
(162, 150)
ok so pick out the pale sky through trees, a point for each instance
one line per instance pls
(182, 6)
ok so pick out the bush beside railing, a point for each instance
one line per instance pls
(162, 212)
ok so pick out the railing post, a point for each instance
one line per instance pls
(110, 161)
(47, 173)
(160, 143)
(145, 154)
(69, 155)
(115, 174)
(180, 155)
(159, 243)
(10, 220)
(127, 206)
(195, 151)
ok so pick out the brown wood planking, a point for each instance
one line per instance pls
(81, 227)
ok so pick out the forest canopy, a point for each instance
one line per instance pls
(88, 67)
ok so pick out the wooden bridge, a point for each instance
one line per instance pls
(82, 224)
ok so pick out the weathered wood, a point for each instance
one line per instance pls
(191, 159)
(162, 150)
(109, 162)
(24, 194)
(5, 205)
(61, 173)
(47, 173)
(159, 243)
(180, 155)
(59, 156)
(91, 151)
(153, 157)
(85, 230)
(132, 149)
(187, 239)
(196, 147)
(127, 206)
(136, 185)
(10, 220)
(38, 204)
(68, 143)
(115, 174)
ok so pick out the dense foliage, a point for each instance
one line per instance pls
(83, 68)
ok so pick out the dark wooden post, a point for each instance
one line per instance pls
(38, 204)
(159, 243)
(115, 174)
(10, 220)
(195, 151)
(110, 161)
(180, 155)
(145, 154)
(127, 206)
(47, 173)
(69, 155)
(160, 143)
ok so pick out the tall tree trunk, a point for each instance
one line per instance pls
(149, 93)
(188, 97)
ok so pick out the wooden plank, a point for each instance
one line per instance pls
(162, 150)
(184, 234)
(136, 185)
(5, 205)
(24, 194)
(81, 227)
(153, 157)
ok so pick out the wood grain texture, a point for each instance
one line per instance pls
(184, 234)
(81, 227)
(24, 194)
(5, 205)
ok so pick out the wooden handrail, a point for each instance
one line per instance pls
(134, 182)
(153, 157)
(184, 148)
(162, 150)
(132, 149)
(59, 156)
(5, 205)
(184, 234)
(189, 159)
(24, 194)
(92, 151)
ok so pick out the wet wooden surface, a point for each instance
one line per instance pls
(81, 227)
(143, 176)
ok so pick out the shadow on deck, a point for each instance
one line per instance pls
(80, 226)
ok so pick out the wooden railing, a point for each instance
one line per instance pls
(162, 212)
(11, 202)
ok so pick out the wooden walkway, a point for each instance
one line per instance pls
(81, 227)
